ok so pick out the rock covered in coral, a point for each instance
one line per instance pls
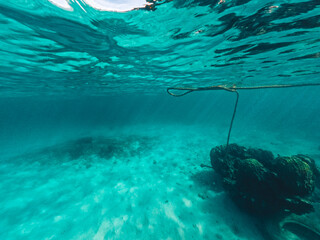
(297, 174)
(261, 183)
(241, 168)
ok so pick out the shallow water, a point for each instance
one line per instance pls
(113, 167)
(92, 146)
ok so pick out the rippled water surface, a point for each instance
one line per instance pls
(49, 50)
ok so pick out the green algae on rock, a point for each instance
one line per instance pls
(262, 184)
(297, 173)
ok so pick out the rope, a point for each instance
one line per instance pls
(232, 89)
(233, 115)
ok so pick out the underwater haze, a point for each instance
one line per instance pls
(93, 147)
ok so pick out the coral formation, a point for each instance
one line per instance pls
(263, 184)
(297, 173)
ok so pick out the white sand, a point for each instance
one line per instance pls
(158, 191)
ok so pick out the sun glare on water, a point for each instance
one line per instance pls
(103, 5)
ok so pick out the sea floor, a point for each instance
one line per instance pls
(139, 182)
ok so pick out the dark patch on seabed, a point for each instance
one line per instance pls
(86, 147)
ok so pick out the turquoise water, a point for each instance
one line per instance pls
(92, 146)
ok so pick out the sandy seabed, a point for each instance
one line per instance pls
(140, 182)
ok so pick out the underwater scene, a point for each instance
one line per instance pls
(135, 119)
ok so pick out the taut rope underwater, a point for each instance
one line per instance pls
(233, 89)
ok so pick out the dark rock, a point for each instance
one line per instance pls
(298, 205)
(262, 184)
(263, 156)
(296, 175)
